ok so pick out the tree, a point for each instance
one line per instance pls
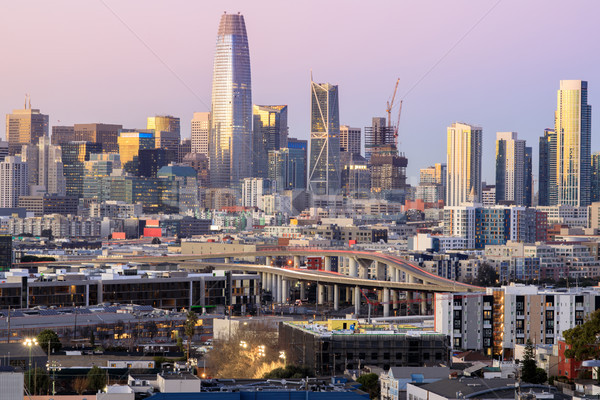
(48, 336)
(180, 345)
(38, 379)
(583, 340)
(80, 385)
(289, 372)
(530, 372)
(370, 384)
(96, 379)
(189, 329)
(486, 275)
(156, 241)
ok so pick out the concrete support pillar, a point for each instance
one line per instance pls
(296, 261)
(379, 270)
(336, 297)
(285, 293)
(348, 294)
(273, 286)
(279, 289)
(227, 260)
(302, 290)
(327, 263)
(398, 275)
(395, 299)
(353, 271)
(410, 297)
(364, 269)
(330, 291)
(423, 303)
(357, 301)
(268, 261)
(320, 294)
(386, 302)
(353, 297)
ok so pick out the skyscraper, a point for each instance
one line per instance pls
(105, 134)
(25, 127)
(350, 139)
(130, 144)
(547, 193)
(167, 132)
(528, 184)
(298, 160)
(230, 144)
(463, 158)
(572, 123)
(200, 129)
(45, 166)
(595, 191)
(377, 135)
(510, 168)
(13, 181)
(270, 132)
(324, 176)
(74, 156)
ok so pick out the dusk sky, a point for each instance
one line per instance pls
(81, 64)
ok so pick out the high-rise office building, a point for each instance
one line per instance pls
(200, 132)
(13, 181)
(350, 139)
(185, 147)
(151, 160)
(377, 135)
(199, 162)
(298, 151)
(74, 156)
(463, 164)
(62, 134)
(388, 172)
(25, 127)
(278, 169)
(324, 176)
(528, 184)
(356, 177)
(167, 132)
(547, 193)
(45, 166)
(100, 165)
(3, 149)
(572, 123)
(130, 144)
(230, 144)
(595, 191)
(510, 168)
(270, 132)
(5, 252)
(105, 134)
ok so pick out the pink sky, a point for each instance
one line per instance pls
(80, 64)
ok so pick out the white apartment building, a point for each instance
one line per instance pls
(13, 181)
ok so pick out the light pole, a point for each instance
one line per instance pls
(30, 342)
(53, 366)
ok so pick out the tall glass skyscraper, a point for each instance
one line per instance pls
(230, 144)
(572, 124)
(270, 133)
(463, 164)
(324, 177)
(547, 195)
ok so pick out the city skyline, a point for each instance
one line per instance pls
(280, 77)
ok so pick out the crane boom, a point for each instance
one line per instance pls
(398, 124)
(390, 104)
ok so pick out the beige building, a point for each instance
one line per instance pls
(463, 164)
(200, 130)
(25, 126)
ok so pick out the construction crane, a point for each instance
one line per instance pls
(397, 124)
(390, 105)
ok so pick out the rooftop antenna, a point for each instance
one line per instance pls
(25, 104)
(30, 102)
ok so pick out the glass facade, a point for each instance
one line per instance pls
(270, 132)
(298, 150)
(230, 145)
(130, 144)
(324, 175)
(463, 164)
(573, 143)
(547, 195)
(5, 252)
(74, 156)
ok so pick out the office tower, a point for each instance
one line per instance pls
(45, 166)
(74, 155)
(572, 123)
(184, 193)
(25, 127)
(99, 166)
(298, 150)
(547, 193)
(13, 181)
(3, 149)
(278, 169)
(270, 132)
(230, 144)
(5, 252)
(356, 177)
(200, 132)
(350, 139)
(595, 184)
(510, 168)
(528, 184)
(388, 171)
(379, 134)
(185, 147)
(62, 134)
(151, 160)
(324, 172)
(105, 134)
(432, 184)
(463, 164)
(167, 133)
(199, 162)
(130, 144)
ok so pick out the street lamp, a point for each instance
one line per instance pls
(53, 366)
(243, 344)
(30, 342)
(282, 356)
(261, 350)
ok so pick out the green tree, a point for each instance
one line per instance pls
(96, 379)
(370, 384)
(49, 337)
(190, 328)
(37, 381)
(530, 372)
(289, 372)
(583, 340)
(180, 345)
(486, 275)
